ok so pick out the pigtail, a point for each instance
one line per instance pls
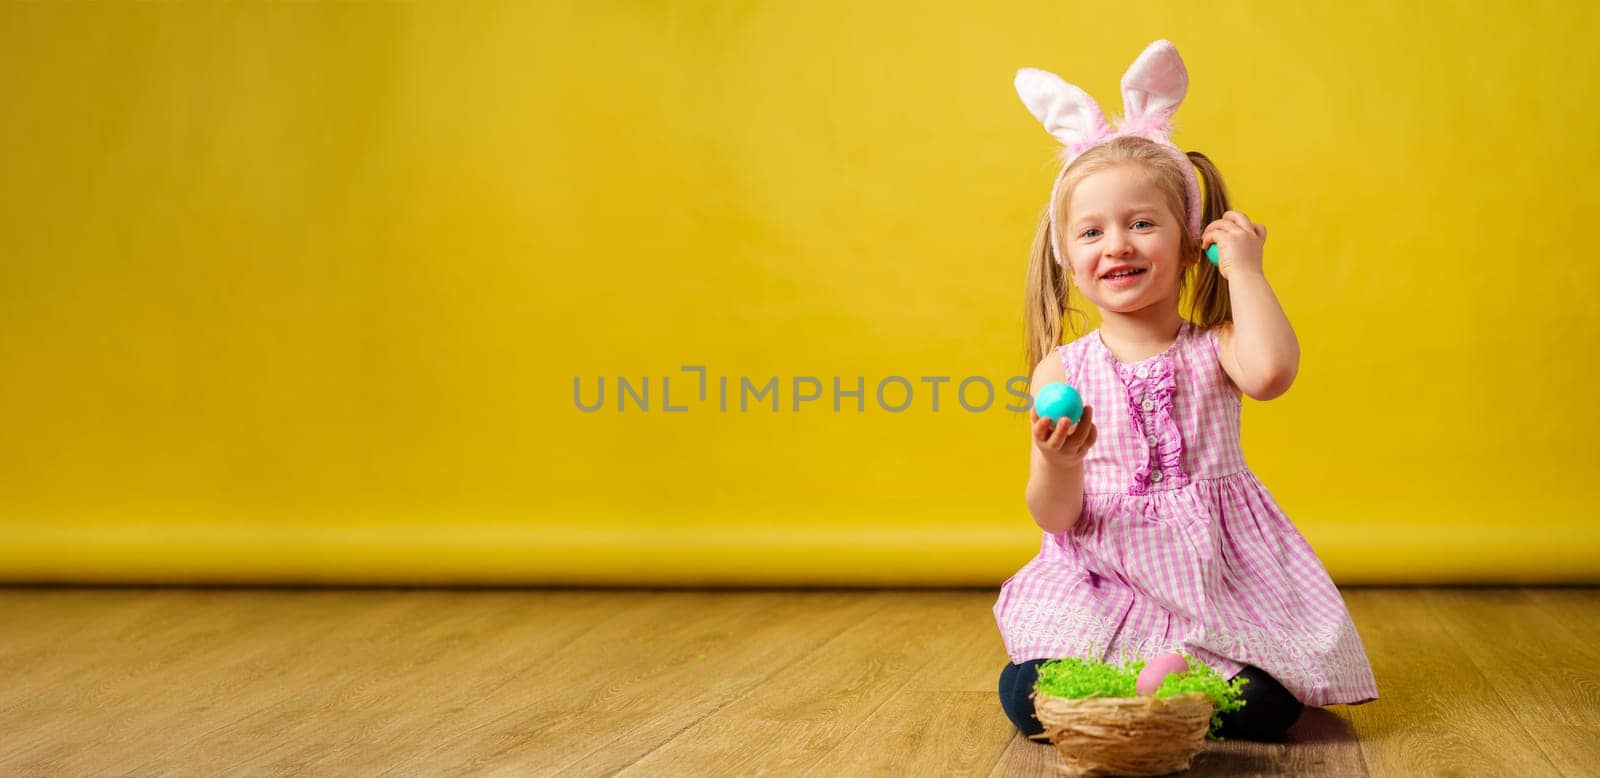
(1047, 311)
(1210, 304)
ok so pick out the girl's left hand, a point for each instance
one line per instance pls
(1239, 240)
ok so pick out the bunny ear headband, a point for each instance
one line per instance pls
(1151, 91)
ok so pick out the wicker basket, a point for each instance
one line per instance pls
(1125, 735)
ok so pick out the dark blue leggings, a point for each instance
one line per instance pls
(1268, 712)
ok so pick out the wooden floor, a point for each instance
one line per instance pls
(709, 683)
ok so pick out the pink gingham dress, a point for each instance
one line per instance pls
(1179, 546)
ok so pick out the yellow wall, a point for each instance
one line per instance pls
(298, 293)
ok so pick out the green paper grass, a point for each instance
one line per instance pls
(1073, 678)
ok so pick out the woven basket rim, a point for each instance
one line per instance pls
(1140, 697)
(1184, 705)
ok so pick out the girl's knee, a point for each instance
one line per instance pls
(1268, 713)
(1016, 684)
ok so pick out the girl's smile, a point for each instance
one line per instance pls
(1124, 277)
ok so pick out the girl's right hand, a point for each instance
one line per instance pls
(1063, 443)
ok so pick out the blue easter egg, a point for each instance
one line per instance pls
(1057, 400)
(1211, 254)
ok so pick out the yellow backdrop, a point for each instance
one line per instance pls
(300, 293)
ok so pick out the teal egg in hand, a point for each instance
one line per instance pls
(1211, 254)
(1057, 400)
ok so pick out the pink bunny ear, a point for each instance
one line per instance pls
(1151, 91)
(1067, 112)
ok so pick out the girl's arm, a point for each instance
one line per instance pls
(1259, 351)
(1055, 496)
(1055, 460)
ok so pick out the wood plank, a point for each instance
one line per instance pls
(1576, 609)
(311, 654)
(1417, 723)
(747, 649)
(1544, 673)
(442, 698)
(118, 657)
(1576, 616)
(58, 634)
(792, 721)
(1573, 750)
(971, 654)
(923, 733)
(1024, 758)
(937, 724)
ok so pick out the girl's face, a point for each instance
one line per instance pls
(1117, 221)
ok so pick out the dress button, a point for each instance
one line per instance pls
(1148, 404)
(1155, 475)
(1151, 440)
(1143, 372)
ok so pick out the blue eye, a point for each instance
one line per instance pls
(1142, 221)
(1086, 233)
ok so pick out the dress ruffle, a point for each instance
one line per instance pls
(1150, 409)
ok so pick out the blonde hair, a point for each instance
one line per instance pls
(1049, 312)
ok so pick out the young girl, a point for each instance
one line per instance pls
(1157, 536)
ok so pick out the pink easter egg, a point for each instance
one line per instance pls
(1155, 672)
